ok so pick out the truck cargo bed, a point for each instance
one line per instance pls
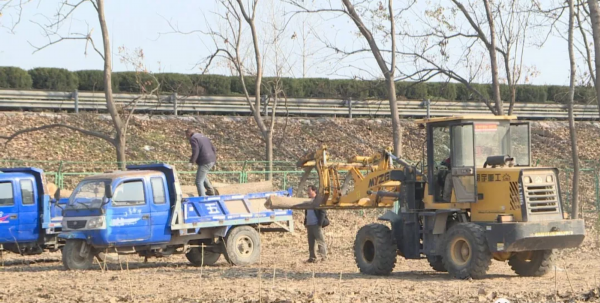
(230, 210)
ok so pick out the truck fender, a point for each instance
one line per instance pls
(72, 235)
(390, 216)
(222, 231)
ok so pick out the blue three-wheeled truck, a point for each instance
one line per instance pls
(141, 211)
(30, 220)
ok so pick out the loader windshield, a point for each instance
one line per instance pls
(88, 195)
(491, 139)
(502, 138)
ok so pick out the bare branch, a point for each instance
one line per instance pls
(59, 125)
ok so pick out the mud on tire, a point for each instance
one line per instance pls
(465, 251)
(375, 250)
(532, 263)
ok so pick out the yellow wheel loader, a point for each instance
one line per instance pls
(474, 197)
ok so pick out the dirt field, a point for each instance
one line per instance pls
(284, 277)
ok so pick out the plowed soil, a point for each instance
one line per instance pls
(282, 276)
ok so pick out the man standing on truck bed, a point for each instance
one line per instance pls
(205, 156)
(315, 220)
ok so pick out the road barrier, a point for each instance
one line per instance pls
(232, 105)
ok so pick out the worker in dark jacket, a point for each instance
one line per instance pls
(205, 156)
(315, 220)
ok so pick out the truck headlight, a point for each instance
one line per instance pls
(526, 179)
(549, 179)
(96, 222)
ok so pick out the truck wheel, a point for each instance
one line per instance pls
(242, 246)
(74, 259)
(195, 257)
(532, 263)
(375, 250)
(436, 263)
(465, 251)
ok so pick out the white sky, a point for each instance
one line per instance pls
(137, 24)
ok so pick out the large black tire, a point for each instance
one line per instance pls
(195, 257)
(242, 246)
(436, 263)
(375, 250)
(532, 263)
(73, 260)
(465, 251)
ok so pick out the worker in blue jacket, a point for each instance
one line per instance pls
(315, 220)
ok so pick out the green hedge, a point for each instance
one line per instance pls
(15, 78)
(184, 84)
(53, 79)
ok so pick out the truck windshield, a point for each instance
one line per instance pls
(88, 195)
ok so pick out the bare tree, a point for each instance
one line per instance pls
(378, 49)
(229, 46)
(15, 13)
(514, 25)
(120, 116)
(458, 37)
(584, 25)
(595, 18)
(572, 129)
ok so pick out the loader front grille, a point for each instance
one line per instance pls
(541, 193)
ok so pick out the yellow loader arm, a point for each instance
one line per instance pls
(369, 190)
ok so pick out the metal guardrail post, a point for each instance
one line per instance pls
(174, 98)
(76, 97)
(349, 104)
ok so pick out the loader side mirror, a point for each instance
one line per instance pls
(108, 190)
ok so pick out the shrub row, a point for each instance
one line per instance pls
(93, 80)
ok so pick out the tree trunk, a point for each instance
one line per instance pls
(595, 16)
(388, 73)
(108, 93)
(120, 148)
(269, 152)
(513, 98)
(512, 85)
(572, 129)
(494, 60)
(396, 128)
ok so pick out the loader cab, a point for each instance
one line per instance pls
(458, 146)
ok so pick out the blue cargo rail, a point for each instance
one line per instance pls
(212, 211)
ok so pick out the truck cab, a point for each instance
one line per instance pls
(141, 211)
(30, 220)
